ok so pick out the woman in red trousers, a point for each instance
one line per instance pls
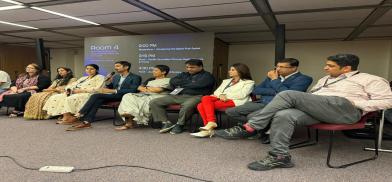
(232, 92)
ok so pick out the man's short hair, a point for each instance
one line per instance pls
(292, 61)
(195, 62)
(124, 63)
(163, 68)
(345, 60)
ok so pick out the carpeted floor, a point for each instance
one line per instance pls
(40, 143)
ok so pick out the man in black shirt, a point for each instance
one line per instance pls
(188, 88)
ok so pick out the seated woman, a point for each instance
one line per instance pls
(36, 102)
(135, 106)
(77, 93)
(232, 92)
(26, 84)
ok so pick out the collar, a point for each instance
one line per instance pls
(284, 78)
(345, 75)
(124, 76)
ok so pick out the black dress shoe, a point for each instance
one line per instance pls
(264, 138)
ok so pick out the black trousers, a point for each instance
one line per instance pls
(18, 101)
(94, 102)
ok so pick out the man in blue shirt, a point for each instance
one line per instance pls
(284, 77)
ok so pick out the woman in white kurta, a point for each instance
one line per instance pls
(134, 107)
(78, 93)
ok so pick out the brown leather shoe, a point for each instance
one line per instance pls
(79, 126)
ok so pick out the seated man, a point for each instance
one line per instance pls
(189, 87)
(343, 97)
(285, 77)
(5, 81)
(116, 86)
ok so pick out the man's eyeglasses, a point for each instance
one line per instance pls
(283, 67)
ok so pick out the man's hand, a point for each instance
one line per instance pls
(106, 91)
(273, 75)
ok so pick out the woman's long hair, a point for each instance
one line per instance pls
(243, 71)
(66, 78)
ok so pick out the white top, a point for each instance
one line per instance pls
(5, 80)
(238, 92)
(367, 92)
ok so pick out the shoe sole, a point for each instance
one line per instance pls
(269, 168)
(166, 129)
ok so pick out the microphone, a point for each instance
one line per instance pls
(68, 92)
(109, 76)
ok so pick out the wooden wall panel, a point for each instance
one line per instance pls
(221, 61)
(13, 59)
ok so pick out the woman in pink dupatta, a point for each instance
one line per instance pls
(26, 84)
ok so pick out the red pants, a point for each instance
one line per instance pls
(208, 105)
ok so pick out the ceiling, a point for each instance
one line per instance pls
(233, 21)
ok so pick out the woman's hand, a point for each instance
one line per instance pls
(14, 89)
(77, 91)
(21, 90)
(223, 97)
(142, 89)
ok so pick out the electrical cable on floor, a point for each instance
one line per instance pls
(110, 166)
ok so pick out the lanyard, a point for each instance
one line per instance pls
(326, 85)
(229, 85)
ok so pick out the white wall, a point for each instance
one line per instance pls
(71, 58)
(375, 56)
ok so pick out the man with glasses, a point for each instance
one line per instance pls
(285, 76)
(188, 88)
(341, 97)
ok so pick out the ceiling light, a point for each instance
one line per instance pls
(64, 15)
(11, 7)
(12, 2)
(19, 25)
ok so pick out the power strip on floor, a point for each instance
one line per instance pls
(57, 169)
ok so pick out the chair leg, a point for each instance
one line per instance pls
(115, 118)
(307, 142)
(331, 136)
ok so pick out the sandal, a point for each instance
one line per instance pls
(16, 114)
(126, 126)
(65, 123)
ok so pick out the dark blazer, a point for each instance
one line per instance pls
(269, 88)
(129, 85)
(200, 83)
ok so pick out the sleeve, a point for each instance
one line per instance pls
(3, 77)
(219, 90)
(54, 84)
(177, 81)
(244, 92)
(380, 95)
(206, 80)
(264, 89)
(73, 84)
(43, 82)
(145, 83)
